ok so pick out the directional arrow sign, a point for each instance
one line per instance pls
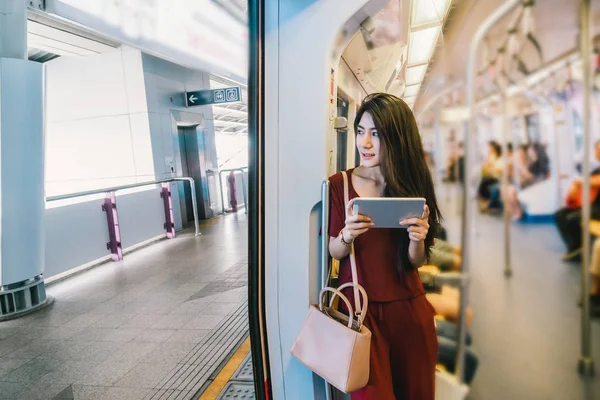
(214, 96)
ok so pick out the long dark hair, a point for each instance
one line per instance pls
(402, 161)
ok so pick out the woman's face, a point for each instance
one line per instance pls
(368, 141)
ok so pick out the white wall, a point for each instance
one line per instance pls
(97, 131)
(110, 121)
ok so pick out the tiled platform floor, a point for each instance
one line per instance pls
(127, 330)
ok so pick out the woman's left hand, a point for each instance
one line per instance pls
(418, 227)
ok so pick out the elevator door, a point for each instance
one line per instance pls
(191, 148)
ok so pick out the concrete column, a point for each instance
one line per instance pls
(13, 29)
(22, 202)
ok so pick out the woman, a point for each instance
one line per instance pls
(404, 342)
(523, 177)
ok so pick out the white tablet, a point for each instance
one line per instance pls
(387, 212)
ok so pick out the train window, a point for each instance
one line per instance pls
(533, 128)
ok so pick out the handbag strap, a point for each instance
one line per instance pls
(357, 308)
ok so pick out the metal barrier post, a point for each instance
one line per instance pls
(586, 363)
(165, 195)
(112, 219)
(471, 70)
(234, 170)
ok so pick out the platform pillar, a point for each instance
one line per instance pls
(22, 201)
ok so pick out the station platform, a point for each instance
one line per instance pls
(158, 325)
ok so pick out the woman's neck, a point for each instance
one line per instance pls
(371, 173)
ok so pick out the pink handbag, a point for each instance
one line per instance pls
(332, 345)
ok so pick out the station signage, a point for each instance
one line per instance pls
(213, 96)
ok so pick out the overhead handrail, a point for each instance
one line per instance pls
(136, 185)
(469, 148)
(243, 171)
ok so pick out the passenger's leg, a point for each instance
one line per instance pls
(595, 275)
(595, 268)
(568, 222)
(495, 201)
(414, 348)
(448, 305)
(560, 218)
(511, 202)
(573, 230)
(447, 357)
(449, 330)
(380, 375)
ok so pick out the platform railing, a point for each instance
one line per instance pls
(241, 171)
(109, 206)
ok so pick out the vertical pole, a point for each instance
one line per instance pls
(325, 250)
(505, 182)
(484, 27)
(586, 363)
(112, 220)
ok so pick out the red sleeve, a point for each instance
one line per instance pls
(337, 213)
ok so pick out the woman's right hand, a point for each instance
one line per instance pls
(356, 224)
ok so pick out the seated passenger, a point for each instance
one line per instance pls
(491, 173)
(595, 273)
(568, 218)
(540, 162)
(446, 303)
(455, 166)
(495, 204)
(445, 256)
(524, 178)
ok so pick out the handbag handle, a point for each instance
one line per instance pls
(365, 301)
(336, 292)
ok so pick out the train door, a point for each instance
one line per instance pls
(191, 149)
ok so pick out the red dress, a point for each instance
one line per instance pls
(404, 342)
